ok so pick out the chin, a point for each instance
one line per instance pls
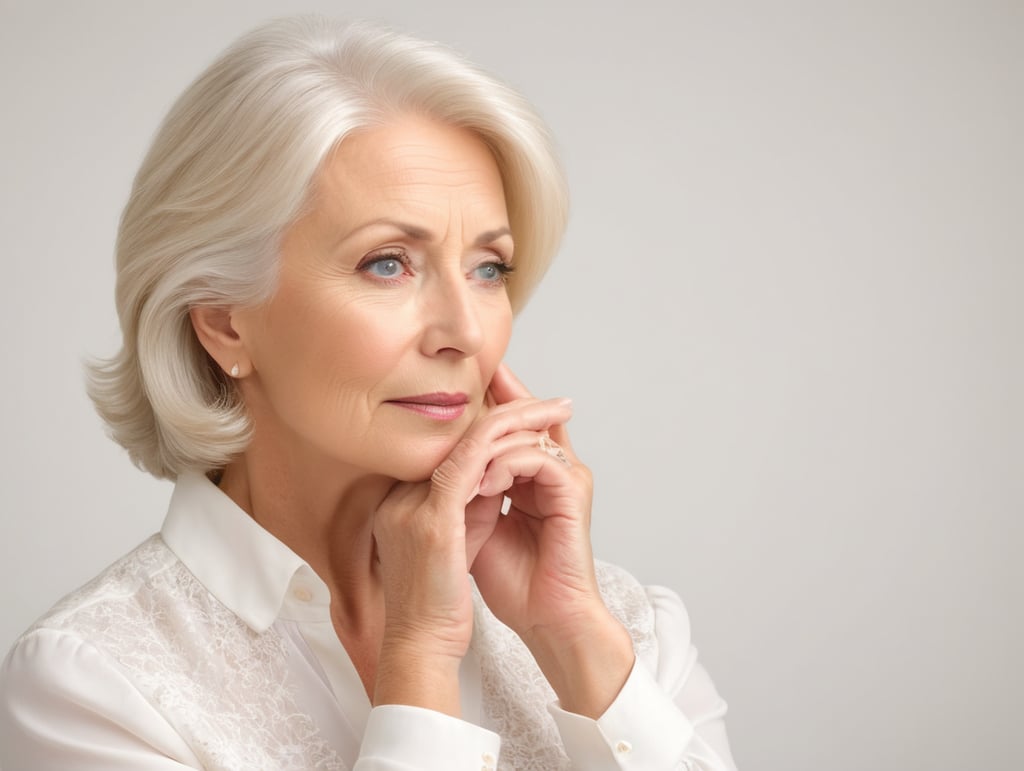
(416, 463)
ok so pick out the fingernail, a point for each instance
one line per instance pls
(565, 401)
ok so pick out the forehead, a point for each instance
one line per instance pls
(410, 157)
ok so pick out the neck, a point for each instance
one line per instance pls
(322, 514)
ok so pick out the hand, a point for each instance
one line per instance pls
(427, 536)
(536, 568)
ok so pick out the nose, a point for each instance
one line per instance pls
(452, 324)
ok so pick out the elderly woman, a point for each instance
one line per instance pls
(317, 273)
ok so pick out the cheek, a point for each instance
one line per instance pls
(357, 345)
(499, 332)
(324, 343)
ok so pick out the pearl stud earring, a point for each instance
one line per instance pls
(234, 370)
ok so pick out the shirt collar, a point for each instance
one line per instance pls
(241, 564)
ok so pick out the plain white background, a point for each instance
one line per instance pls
(788, 309)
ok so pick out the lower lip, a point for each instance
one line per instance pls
(434, 411)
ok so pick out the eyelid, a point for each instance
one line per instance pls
(502, 266)
(387, 253)
(493, 256)
(499, 255)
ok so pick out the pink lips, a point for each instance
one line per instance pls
(438, 406)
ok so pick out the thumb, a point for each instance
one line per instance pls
(456, 481)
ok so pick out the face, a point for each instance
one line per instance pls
(391, 313)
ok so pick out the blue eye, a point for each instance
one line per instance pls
(385, 267)
(493, 272)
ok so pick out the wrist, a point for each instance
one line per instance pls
(586, 667)
(412, 676)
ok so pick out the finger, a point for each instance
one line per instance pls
(456, 480)
(560, 435)
(506, 387)
(481, 516)
(537, 439)
(515, 441)
(523, 463)
(521, 415)
(554, 449)
(508, 442)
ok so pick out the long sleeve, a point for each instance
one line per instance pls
(668, 715)
(149, 668)
(63, 705)
(401, 738)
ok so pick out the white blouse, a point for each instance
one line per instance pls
(210, 646)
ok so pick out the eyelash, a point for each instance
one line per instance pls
(499, 264)
(398, 257)
(503, 268)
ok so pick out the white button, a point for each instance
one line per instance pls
(488, 758)
(623, 747)
(302, 594)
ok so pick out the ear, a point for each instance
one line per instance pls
(216, 333)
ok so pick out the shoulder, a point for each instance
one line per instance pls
(127, 583)
(80, 630)
(152, 619)
(65, 672)
(60, 697)
(133, 610)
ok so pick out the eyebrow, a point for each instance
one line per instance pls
(421, 234)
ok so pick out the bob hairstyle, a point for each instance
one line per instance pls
(233, 165)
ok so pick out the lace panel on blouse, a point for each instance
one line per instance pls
(225, 689)
(220, 684)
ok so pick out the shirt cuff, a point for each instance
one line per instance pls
(402, 737)
(642, 730)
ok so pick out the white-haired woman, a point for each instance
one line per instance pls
(317, 273)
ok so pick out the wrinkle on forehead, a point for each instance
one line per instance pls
(419, 168)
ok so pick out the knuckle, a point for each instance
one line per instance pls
(446, 476)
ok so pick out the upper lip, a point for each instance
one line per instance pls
(438, 398)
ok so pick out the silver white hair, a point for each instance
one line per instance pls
(232, 167)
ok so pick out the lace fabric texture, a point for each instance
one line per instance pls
(224, 687)
(516, 694)
(220, 684)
